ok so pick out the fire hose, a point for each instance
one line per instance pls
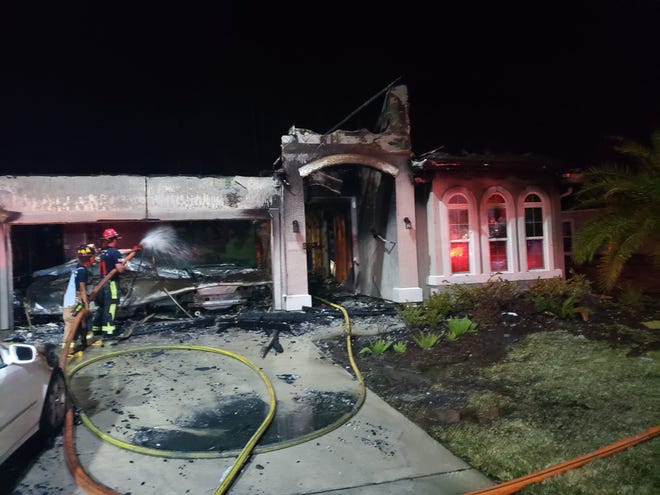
(513, 486)
(93, 487)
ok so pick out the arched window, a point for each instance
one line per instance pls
(498, 235)
(535, 241)
(458, 220)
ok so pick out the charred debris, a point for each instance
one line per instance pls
(47, 331)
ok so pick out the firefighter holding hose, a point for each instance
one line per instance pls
(107, 299)
(75, 296)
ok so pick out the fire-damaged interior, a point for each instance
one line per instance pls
(346, 208)
(197, 266)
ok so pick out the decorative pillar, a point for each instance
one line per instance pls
(295, 294)
(408, 289)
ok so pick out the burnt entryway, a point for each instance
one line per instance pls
(347, 208)
(329, 238)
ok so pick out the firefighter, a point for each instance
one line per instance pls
(107, 299)
(75, 296)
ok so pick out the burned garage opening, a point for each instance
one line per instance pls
(194, 266)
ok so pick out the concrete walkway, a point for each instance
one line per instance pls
(378, 451)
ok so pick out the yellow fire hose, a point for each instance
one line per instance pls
(93, 487)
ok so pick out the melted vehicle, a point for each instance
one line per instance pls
(145, 284)
(33, 396)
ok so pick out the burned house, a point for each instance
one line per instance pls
(399, 228)
(352, 205)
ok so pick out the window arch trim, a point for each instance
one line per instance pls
(474, 260)
(529, 223)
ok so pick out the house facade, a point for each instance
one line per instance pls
(356, 206)
(486, 216)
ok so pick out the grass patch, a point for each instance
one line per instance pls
(560, 397)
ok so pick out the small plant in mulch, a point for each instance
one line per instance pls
(376, 348)
(400, 347)
(426, 340)
(460, 326)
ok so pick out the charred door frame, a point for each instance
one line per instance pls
(344, 208)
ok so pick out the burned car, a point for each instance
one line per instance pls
(146, 285)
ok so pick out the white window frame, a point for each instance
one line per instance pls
(511, 230)
(473, 229)
(544, 204)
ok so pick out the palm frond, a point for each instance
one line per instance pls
(629, 195)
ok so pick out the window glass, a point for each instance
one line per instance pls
(533, 222)
(458, 199)
(498, 259)
(497, 235)
(459, 234)
(458, 224)
(496, 216)
(534, 254)
(460, 257)
(534, 233)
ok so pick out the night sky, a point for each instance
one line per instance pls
(107, 87)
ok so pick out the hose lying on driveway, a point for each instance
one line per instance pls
(242, 457)
(93, 487)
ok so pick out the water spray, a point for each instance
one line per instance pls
(160, 239)
(164, 242)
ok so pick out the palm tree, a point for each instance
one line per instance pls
(628, 196)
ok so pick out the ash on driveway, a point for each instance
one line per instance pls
(196, 401)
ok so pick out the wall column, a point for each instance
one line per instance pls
(295, 293)
(408, 289)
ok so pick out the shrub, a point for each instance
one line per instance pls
(631, 298)
(376, 348)
(460, 326)
(561, 297)
(426, 340)
(429, 314)
(486, 301)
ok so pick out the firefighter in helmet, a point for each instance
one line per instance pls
(107, 299)
(76, 298)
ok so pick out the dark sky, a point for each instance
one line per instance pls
(107, 87)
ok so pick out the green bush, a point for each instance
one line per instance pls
(631, 298)
(426, 340)
(429, 314)
(485, 302)
(561, 297)
(460, 326)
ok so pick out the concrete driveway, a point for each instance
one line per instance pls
(375, 451)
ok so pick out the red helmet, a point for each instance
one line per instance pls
(109, 234)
